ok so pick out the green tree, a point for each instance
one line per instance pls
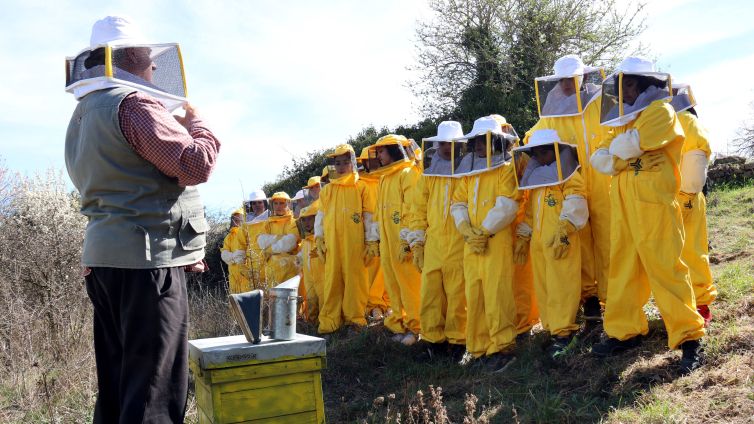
(477, 57)
(295, 174)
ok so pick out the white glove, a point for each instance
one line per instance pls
(226, 256)
(575, 210)
(266, 240)
(239, 256)
(284, 244)
(626, 145)
(416, 237)
(460, 212)
(319, 224)
(604, 162)
(693, 171)
(371, 228)
(501, 215)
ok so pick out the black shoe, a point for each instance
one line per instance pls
(613, 346)
(592, 309)
(431, 351)
(562, 346)
(693, 356)
(523, 337)
(456, 351)
(497, 362)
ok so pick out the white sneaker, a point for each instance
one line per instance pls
(397, 337)
(409, 339)
(376, 314)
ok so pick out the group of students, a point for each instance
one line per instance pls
(466, 241)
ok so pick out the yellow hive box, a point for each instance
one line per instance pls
(275, 381)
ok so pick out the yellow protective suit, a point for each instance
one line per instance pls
(557, 281)
(585, 132)
(646, 234)
(280, 266)
(490, 305)
(527, 313)
(443, 299)
(254, 266)
(313, 273)
(378, 297)
(402, 280)
(238, 282)
(694, 210)
(343, 203)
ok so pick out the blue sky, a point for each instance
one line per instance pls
(280, 78)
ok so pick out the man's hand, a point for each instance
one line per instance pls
(197, 267)
(191, 114)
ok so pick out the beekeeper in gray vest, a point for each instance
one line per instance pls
(136, 167)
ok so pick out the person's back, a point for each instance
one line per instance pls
(125, 197)
(135, 166)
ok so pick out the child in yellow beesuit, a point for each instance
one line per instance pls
(279, 240)
(642, 152)
(484, 204)
(557, 209)
(341, 232)
(233, 254)
(378, 302)
(694, 157)
(312, 266)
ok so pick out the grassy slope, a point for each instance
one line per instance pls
(641, 386)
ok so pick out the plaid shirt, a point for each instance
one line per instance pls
(155, 135)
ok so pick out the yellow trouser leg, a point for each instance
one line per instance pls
(695, 247)
(588, 277)
(647, 242)
(377, 295)
(394, 321)
(455, 293)
(330, 315)
(477, 332)
(599, 221)
(527, 313)
(489, 285)
(558, 286)
(356, 288)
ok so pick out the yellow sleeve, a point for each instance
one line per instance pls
(528, 208)
(409, 178)
(368, 199)
(226, 242)
(242, 236)
(657, 126)
(460, 194)
(419, 208)
(575, 186)
(292, 228)
(507, 183)
(697, 137)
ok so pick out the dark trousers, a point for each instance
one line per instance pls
(140, 344)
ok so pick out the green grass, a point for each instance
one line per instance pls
(734, 281)
(651, 411)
